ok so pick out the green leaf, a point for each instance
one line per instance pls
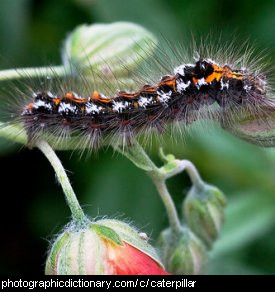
(137, 155)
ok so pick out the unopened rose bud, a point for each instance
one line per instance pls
(103, 51)
(203, 210)
(104, 247)
(182, 254)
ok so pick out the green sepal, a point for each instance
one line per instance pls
(55, 250)
(107, 233)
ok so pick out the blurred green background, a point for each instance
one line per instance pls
(32, 204)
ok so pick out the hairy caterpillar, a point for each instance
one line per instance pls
(204, 88)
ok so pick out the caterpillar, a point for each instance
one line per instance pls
(188, 92)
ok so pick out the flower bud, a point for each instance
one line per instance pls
(103, 51)
(182, 254)
(257, 127)
(104, 247)
(203, 210)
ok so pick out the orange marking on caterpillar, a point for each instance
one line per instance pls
(97, 97)
(195, 80)
(169, 81)
(223, 72)
(127, 95)
(29, 107)
(56, 101)
(218, 73)
(71, 96)
(149, 88)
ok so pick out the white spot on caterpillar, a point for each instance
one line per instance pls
(26, 111)
(208, 60)
(66, 108)
(180, 69)
(201, 82)
(224, 84)
(119, 106)
(92, 108)
(42, 104)
(247, 87)
(50, 94)
(144, 101)
(181, 86)
(164, 97)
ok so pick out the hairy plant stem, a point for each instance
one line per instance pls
(32, 72)
(159, 175)
(166, 198)
(77, 212)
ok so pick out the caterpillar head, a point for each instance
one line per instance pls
(231, 85)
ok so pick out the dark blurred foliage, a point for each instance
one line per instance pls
(32, 204)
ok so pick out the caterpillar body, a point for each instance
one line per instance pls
(179, 97)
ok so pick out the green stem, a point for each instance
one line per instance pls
(32, 72)
(166, 198)
(180, 166)
(139, 157)
(193, 173)
(76, 210)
